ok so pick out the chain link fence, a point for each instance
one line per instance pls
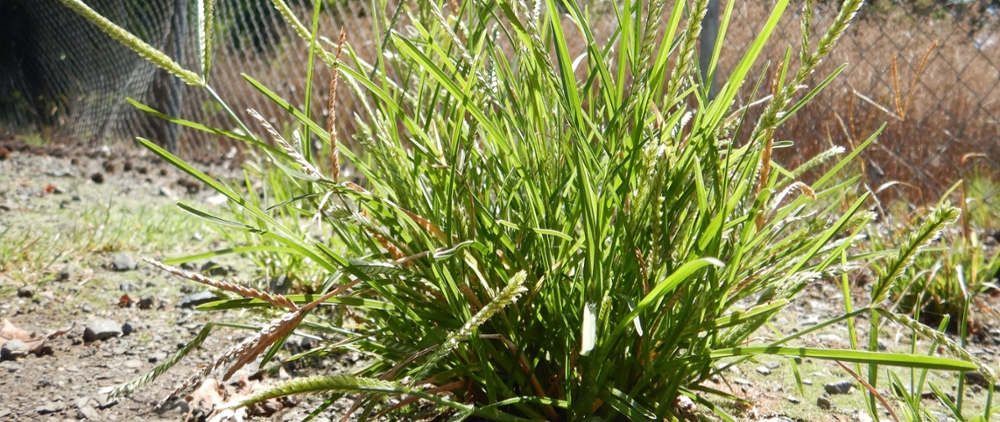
(929, 69)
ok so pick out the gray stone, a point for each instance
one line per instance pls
(11, 366)
(156, 357)
(133, 363)
(89, 413)
(280, 285)
(4, 413)
(824, 403)
(793, 399)
(147, 301)
(104, 402)
(839, 387)
(13, 350)
(123, 262)
(195, 299)
(127, 328)
(215, 268)
(128, 286)
(50, 407)
(763, 370)
(742, 382)
(101, 329)
(66, 272)
(26, 291)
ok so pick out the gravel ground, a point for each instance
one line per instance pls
(89, 313)
(85, 313)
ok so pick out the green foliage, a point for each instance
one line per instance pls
(550, 236)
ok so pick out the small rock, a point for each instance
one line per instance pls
(763, 370)
(156, 357)
(807, 381)
(100, 329)
(66, 272)
(89, 413)
(87, 309)
(26, 291)
(127, 329)
(165, 191)
(133, 363)
(742, 382)
(50, 407)
(123, 262)
(830, 338)
(11, 366)
(196, 237)
(97, 178)
(4, 413)
(778, 419)
(773, 365)
(14, 350)
(793, 399)
(839, 387)
(280, 285)
(195, 299)
(128, 286)
(215, 268)
(824, 403)
(147, 301)
(863, 417)
(104, 402)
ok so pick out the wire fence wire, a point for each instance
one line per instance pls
(928, 69)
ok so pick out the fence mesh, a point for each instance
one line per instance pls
(928, 69)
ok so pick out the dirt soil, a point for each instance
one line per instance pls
(75, 223)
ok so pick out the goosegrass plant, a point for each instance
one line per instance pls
(523, 242)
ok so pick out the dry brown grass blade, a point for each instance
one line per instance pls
(427, 225)
(872, 390)
(331, 119)
(250, 348)
(276, 300)
(895, 86)
(919, 72)
(764, 172)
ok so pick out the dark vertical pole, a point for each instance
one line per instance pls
(709, 36)
(178, 30)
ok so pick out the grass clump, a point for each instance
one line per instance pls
(534, 235)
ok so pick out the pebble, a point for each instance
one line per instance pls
(87, 309)
(100, 329)
(195, 299)
(215, 268)
(104, 402)
(11, 366)
(156, 357)
(66, 272)
(50, 407)
(123, 262)
(742, 381)
(280, 285)
(132, 363)
(824, 403)
(839, 387)
(127, 328)
(147, 301)
(127, 286)
(14, 350)
(89, 413)
(26, 291)
(763, 370)
(793, 399)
